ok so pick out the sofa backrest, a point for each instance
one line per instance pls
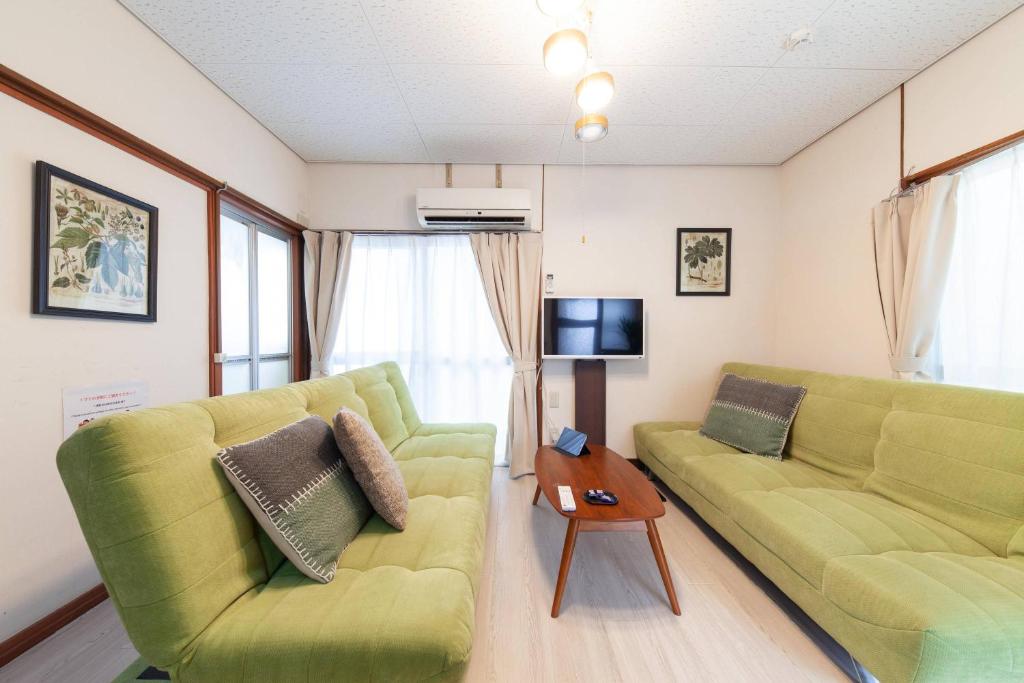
(839, 422)
(172, 540)
(956, 454)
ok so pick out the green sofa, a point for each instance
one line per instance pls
(206, 596)
(895, 520)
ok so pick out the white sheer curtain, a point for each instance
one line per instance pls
(981, 324)
(417, 300)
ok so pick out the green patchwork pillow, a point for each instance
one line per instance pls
(753, 415)
(301, 492)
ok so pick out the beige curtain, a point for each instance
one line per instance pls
(913, 246)
(509, 266)
(327, 259)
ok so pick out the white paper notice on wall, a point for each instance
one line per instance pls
(84, 404)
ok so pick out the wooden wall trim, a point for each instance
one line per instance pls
(902, 128)
(24, 640)
(216, 371)
(260, 212)
(957, 162)
(49, 102)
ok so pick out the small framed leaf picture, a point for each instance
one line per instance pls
(95, 250)
(703, 261)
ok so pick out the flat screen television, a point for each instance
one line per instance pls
(593, 327)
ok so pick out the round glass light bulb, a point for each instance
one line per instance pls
(591, 128)
(565, 51)
(595, 91)
(559, 8)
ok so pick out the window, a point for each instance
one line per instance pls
(981, 325)
(256, 299)
(418, 300)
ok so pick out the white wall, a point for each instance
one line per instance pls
(383, 196)
(629, 216)
(99, 56)
(629, 222)
(45, 559)
(969, 99)
(828, 311)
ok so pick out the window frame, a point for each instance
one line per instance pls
(260, 220)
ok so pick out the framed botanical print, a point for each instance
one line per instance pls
(95, 250)
(703, 261)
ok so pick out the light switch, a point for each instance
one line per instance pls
(553, 399)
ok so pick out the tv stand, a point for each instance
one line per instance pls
(590, 399)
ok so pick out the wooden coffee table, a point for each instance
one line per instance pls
(639, 504)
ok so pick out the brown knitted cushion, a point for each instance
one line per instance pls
(372, 466)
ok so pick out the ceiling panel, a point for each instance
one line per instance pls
(312, 93)
(811, 97)
(697, 32)
(459, 31)
(285, 31)
(746, 145)
(447, 93)
(882, 34)
(697, 81)
(627, 144)
(353, 141)
(674, 95)
(504, 144)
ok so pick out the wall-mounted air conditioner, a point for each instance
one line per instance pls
(473, 208)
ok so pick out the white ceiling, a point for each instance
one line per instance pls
(697, 81)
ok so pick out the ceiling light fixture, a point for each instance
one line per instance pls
(559, 8)
(595, 91)
(565, 51)
(591, 128)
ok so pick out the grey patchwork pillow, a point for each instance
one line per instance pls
(301, 492)
(373, 466)
(753, 415)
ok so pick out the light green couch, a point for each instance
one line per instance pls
(206, 596)
(896, 519)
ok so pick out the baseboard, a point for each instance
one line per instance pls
(54, 621)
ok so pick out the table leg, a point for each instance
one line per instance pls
(659, 557)
(563, 568)
(536, 495)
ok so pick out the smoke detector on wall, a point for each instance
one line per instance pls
(797, 38)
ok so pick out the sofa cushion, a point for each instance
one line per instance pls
(672, 449)
(839, 421)
(372, 466)
(448, 476)
(720, 477)
(432, 428)
(453, 444)
(301, 492)
(383, 624)
(956, 454)
(440, 533)
(752, 414)
(388, 402)
(807, 528)
(956, 617)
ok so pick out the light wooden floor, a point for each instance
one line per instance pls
(615, 623)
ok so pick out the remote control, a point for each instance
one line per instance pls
(566, 499)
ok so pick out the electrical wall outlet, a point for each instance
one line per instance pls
(553, 399)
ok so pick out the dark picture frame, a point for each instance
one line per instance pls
(703, 261)
(95, 250)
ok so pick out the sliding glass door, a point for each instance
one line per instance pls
(255, 304)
